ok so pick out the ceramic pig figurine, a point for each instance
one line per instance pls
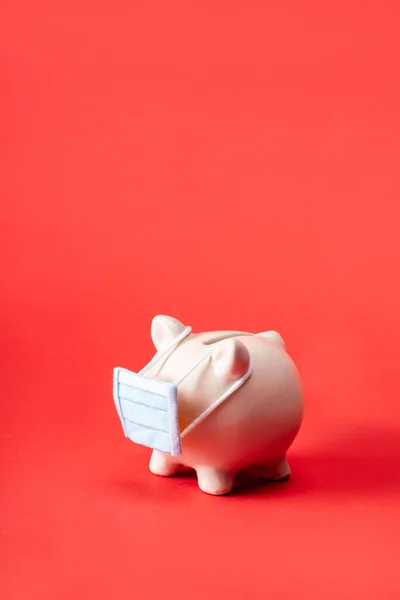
(239, 403)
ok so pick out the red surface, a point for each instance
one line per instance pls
(234, 164)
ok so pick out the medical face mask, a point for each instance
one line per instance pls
(148, 408)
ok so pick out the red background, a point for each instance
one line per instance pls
(235, 165)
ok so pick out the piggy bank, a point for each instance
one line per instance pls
(219, 402)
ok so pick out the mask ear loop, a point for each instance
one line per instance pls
(202, 359)
(159, 355)
(235, 386)
(213, 345)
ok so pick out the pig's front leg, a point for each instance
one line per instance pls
(214, 481)
(163, 464)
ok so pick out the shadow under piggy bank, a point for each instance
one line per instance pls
(365, 463)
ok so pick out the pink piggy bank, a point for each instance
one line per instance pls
(239, 403)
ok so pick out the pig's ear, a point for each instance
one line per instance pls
(164, 330)
(274, 337)
(231, 359)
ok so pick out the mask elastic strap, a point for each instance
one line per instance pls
(159, 355)
(235, 386)
(203, 358)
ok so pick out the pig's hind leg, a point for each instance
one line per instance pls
(276, 470)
